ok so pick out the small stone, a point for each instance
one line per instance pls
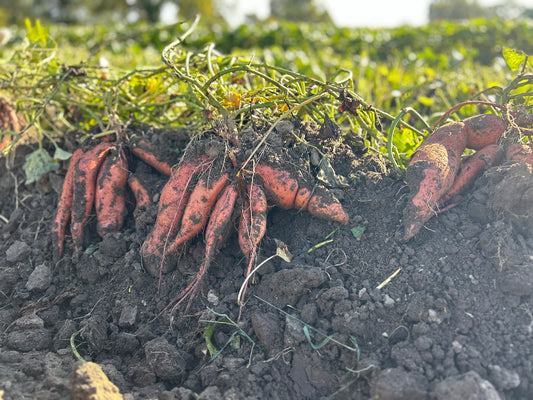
(164, 359)
(31, 321)
(40, 279)
(398, 384)
(293, 332)
(18, 251)
(503, 378)
(128, 316)
(466, 386)
(433, 316)
(388, 301)
(363, 294)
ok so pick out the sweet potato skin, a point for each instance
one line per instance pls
(323, 204)
(520, 152)
(280, 186)
(196, 213)
(172, 202)
(215, 232)
(252, 222)
(110, 198)
(84, 182)
(472, 167)
(144, 151)
(430, 174)
(64, 207)
(482, 130)
(141, 194)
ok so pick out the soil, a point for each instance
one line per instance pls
(447, 315)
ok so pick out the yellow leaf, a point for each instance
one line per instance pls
(232, 99)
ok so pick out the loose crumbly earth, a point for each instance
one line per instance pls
(453, 323)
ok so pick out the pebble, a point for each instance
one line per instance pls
(503, 378)
(293, 332)
(40, 279)
(398, 384)
(388, 301)
(164, 359)
(128, 316)
(466, 386)
(18, 251)
(31, 321)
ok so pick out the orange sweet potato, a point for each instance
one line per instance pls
(84, 182)
(324, 205)
(172, 202)
(141, 194)
(64, 207)
(252, 226)
(280, 186)
(217, 227)
(145, 152)
(110, 198)
(472, 167)
(482, 130)
(431, 173)
(520, 152)
(196, 213)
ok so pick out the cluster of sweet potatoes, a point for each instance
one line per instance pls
(210, 192)
(437, 172)
(97, 178)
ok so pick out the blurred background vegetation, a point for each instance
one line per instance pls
(73, 64)
(213, 11)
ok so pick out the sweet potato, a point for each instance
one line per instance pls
(196, 213)
(302, 198)
(431, 173)
(472, 167)
(252, 225)
(110, 198)
(216, 230)
(324, 205)
(520, 152)
(142, 197)
(280, 186)
(84, 182)
(172, 203)
(482, 130)
(64, 207)
(145, 152)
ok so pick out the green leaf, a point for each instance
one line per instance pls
(38, 164)
(36, 33)
(61, 154)
(513, 58)
(91, 249)
(357, 231)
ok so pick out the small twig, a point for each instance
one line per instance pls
(390, 278)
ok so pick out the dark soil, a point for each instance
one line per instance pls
(455, 322)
